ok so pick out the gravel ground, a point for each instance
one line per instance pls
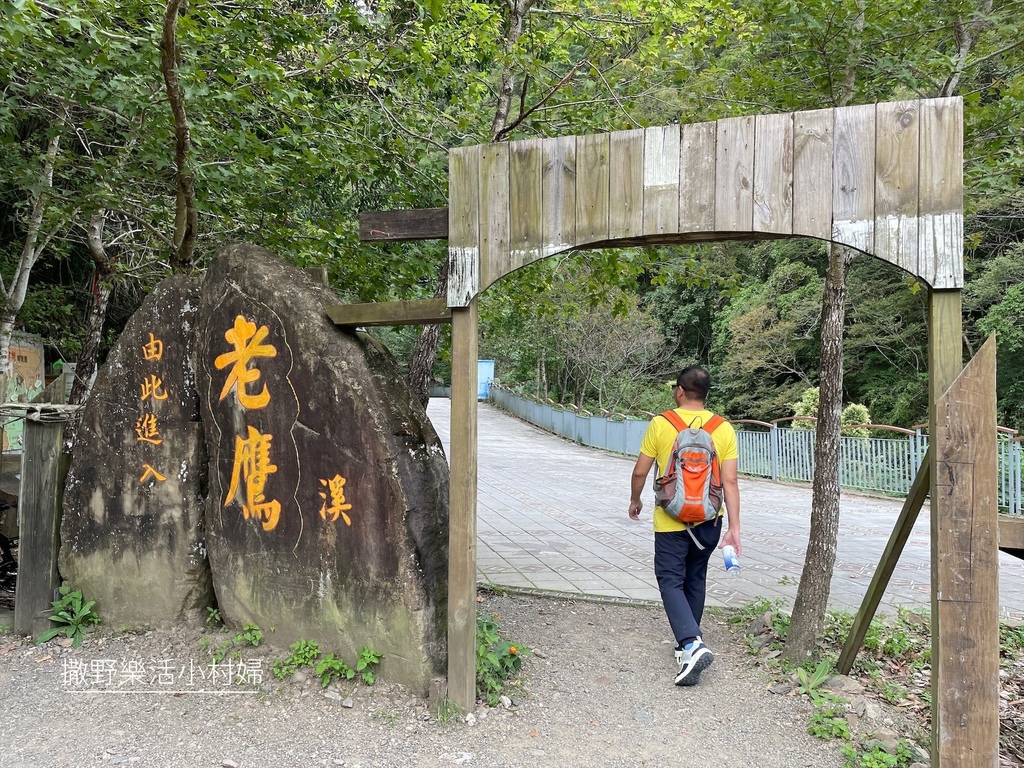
(597, 692)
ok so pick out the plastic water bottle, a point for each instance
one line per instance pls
(732, 563)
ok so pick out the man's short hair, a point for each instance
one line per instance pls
(695, 381)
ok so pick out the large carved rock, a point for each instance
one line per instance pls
(327, 509)
(132, 533)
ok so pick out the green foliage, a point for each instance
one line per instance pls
(447, 710)
(498, 661)
(331, 667)
(213, 618)
(250, 635)
(73, 614)
(304, 654)
(852, 414)
(368, 659)
(1011, 639)
(828, 721)
(875, 756)
(811, 681)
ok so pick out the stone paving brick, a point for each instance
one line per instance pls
(552, 516)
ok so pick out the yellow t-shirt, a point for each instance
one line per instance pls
(661, 436)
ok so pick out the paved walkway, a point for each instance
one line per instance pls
(552, 516)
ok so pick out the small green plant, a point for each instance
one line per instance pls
(891, 691)
(389, 716)
(1011, 638)
(810, 682)
(878, 757)
(829, 722)
(304, 654)
(368, 659)
(73, 614)
(250, 634)
(497, 660)
(330, 667)
(447, 710)
(213, 618)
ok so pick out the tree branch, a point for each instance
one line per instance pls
(551, 92)
(186, 221)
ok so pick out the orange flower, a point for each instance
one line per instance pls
(512, 650)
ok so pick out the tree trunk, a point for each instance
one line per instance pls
(425, 353)
(103, 270)
(14, 294)
(811, 603)
(815, 581)
(186, 220)
(421, 367)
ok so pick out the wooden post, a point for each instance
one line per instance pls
(42, 480)
(462, 511)
(965, 566)
(887, 564)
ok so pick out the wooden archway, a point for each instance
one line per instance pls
(885, 179)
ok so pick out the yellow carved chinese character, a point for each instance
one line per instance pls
(150, 472)
(153, 387)
(247, 341)
(153, 349)
(252, 464)
(145, 428)
(336, 488)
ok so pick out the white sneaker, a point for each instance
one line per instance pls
(683, 656)
(700, 658)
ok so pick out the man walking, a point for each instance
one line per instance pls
(681, 551)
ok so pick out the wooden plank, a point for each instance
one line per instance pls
(1011, 532)
(559, 195)
(945, 362)
(853, 174)
(965, 570)
(626, 184)
(697, 177)
(734, 175)
(945, 346)
(526, 200)
(773, 174)
(897, 144)
(592, 188)
(661, 180)
(463, 225)
(42, 479)
(887, 564)
(940, 205)
(495, 259)
(403, 226)
(462, 511)
(812, 173)
(423, 312)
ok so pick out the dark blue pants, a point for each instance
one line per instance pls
(682, 572)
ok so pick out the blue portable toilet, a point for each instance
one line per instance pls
(484, 377)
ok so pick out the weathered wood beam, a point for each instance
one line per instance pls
(1011, 534)
(423, 312)
(965, 569)
(43, 469)
(462, 500)
(403, 226)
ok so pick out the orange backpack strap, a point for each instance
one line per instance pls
(675, 420)
(713, 423)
